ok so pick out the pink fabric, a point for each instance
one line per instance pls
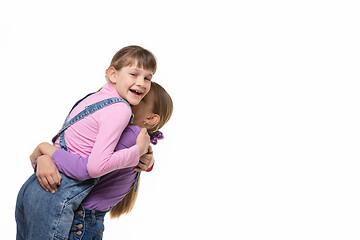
(97, 135)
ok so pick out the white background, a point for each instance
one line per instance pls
(264, 139)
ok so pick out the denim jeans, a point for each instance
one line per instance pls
(87, 224)
(42, 215)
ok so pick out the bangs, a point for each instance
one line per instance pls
(140, 57)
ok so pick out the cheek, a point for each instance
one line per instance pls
(148, 88)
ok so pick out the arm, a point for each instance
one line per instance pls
(42, 149)
(75, 166)
(47, 170)
(71, 165)
(112, 121)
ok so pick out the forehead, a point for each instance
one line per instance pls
(135, 67)
(135, 64)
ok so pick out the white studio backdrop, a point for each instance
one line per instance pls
(264, 139)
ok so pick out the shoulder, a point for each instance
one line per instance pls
(134, 130)
(117, 111)
(128, 137)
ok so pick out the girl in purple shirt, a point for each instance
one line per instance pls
(116, 190)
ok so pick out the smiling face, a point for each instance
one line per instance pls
(131, 82)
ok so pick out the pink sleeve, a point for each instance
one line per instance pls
(112, 121)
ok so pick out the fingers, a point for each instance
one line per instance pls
(49, 182)
(41, 184)
(143, 141)
(142, 166)
(144, 163)
(47, 173)
(137, 169)
(56, 179)
(59, 178)
(150, 151)
(45, 183)
(52, 183)
(145, 160)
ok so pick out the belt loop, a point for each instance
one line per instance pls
(93, 218)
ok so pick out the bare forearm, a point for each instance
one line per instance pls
(46, 149)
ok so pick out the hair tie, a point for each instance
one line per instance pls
(155, 136)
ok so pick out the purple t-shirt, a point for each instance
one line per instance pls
(111, 187)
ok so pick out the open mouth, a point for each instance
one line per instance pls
(138, 93)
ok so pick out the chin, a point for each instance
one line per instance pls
(134, 102)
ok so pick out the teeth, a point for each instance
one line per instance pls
(137, 92)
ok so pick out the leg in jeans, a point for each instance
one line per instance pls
(42, 215)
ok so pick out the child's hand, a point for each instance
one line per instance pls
(47, 173)
(42, 149)
(143, 141)
(146, 161)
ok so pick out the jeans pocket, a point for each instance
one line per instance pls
(93, 230)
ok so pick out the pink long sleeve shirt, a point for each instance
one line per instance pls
(97, 135)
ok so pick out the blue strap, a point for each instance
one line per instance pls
(77, 103)
(87, 111)
(137, 181)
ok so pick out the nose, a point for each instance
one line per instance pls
(140, 81)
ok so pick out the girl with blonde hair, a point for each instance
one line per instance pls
(116, 191)
(92, 129)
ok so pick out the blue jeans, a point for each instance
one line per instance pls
(87, 224)
(42, 215)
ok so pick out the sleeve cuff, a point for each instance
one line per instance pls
(150, 168)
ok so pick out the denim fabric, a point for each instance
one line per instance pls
(43, 215)
(87, 111)
(87, 224)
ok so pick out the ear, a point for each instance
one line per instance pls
(111, 73)
(153, 119)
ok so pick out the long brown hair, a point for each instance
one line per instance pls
(126, 204)
(163, 106)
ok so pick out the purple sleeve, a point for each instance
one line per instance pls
(75, 166)
(71, 165)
